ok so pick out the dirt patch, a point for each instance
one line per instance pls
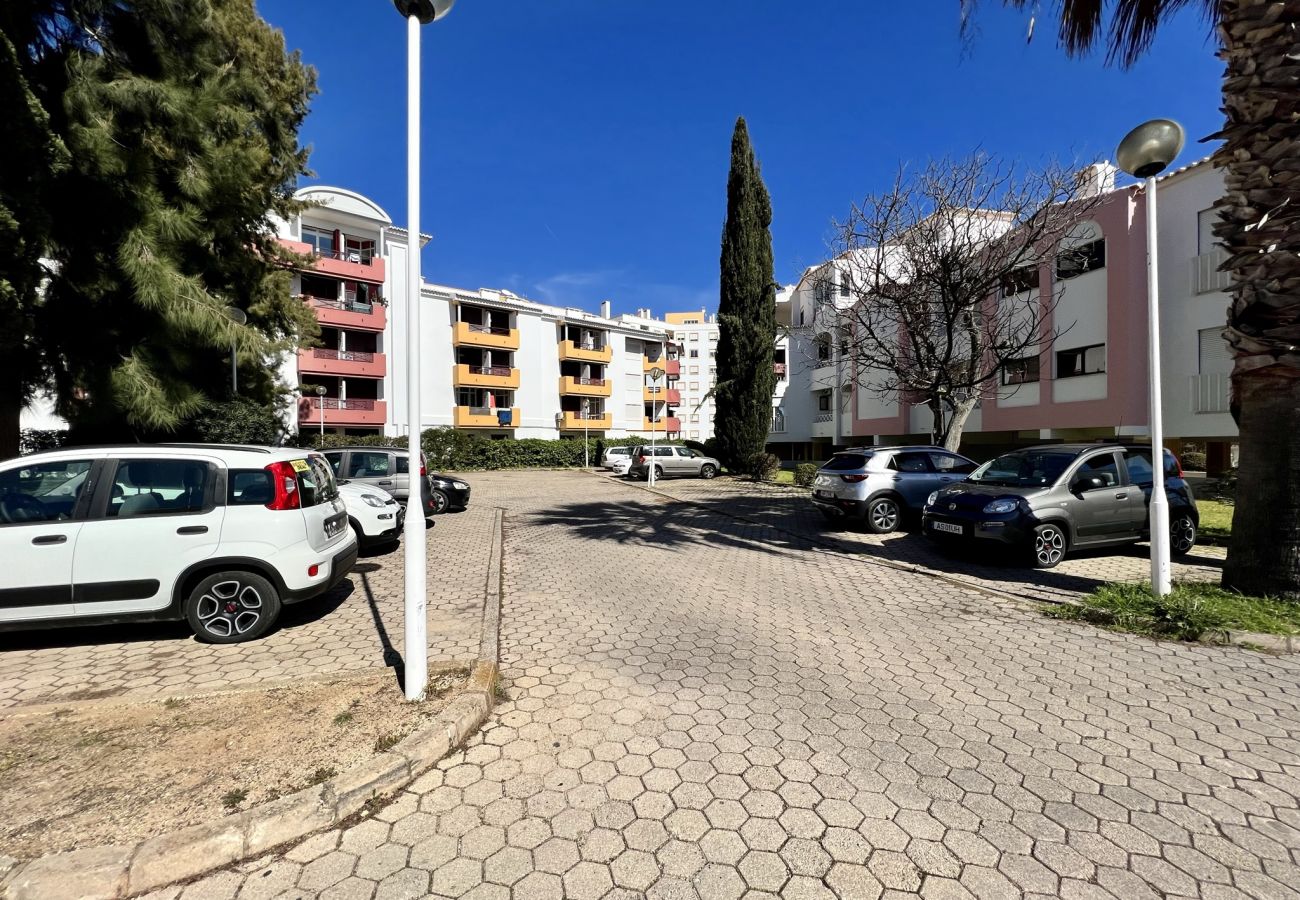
(99, 773)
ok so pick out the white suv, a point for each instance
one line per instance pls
(221, 536)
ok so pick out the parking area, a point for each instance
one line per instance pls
(355, 628)
(789, 509)
(701, 706)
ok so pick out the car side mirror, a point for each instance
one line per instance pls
(1089, 483)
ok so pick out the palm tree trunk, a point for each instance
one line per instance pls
(1264, 556)
(1260, 226)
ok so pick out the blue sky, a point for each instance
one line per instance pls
(577, 150)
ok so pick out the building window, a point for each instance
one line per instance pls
(1018, 281)
(1205, 240)
(846, 284)
(693, 370)
(1215, 356)
(713, 336)
(693, 336)
(695, 354)
(1072, 262)
(695, 419)
(321, 241)
(824, 402)
(778, 421)
(823, 349)
(1081, 361)
(1020, 371)
(695, 386)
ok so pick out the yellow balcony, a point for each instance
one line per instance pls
(585, 387)
(485, 376)
(484, 417)
(672, 367)
(664, 395)
(573, 421)
(570, 351)
(467, 334)
(665, 425)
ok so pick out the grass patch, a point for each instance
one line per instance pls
(343, 718)
(1216, 518)
(321, 775)
(783, 476)
(387, 742)
(1189, 611)
(233, 799)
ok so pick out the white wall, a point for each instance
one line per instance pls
(1183, 312)
(538, 361)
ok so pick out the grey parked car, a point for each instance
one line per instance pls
(670, 459)
(387, 468)
(1049, 500)
(879, 485)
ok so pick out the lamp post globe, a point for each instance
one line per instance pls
(1144, 153)
(1148, 150)
(424, 10)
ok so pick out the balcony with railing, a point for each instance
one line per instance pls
(672, 367)
(823, 424)
(351, 264)
(1210, 393)
(585, 386)
(496, 337)
(465, 375)
(576, 420)
(778, 369)
(345, 314)
(325, 361)
(486, 417)
(671, 396)
(339, 411)
(662, 425)
(778, 422)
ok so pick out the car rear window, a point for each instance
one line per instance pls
(847, 461)
(316, 485)
(249, 487)
(403, 465)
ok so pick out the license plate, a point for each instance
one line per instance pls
(944, 526)
(826, 494)
(334, 525)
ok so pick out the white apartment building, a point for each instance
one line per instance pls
(492, 361)
(696, 334)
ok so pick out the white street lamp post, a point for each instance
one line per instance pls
(586, 412)
(655, 374)
(415, 655)
(320, 400)
(239, 317)
(1145, 152)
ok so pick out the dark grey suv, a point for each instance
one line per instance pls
(1049, 500)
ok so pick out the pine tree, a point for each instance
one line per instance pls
(746, 313)
(180, 123)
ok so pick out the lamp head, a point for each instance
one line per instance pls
(424, 10)
(236, 315)
(320, 390)
(1148, 150)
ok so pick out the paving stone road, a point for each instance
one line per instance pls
(353, 629)
(702, 707)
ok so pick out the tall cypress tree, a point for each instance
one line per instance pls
(746, 313)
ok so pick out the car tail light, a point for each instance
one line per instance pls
(284, 480)
(1178, 465)
(640, 460)
(423, 471)
(853, 479)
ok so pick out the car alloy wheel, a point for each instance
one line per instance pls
(707, 471)
(659, 472)
(439, 502)
(1182, 535)
(229, 609)
(1049, 546)
(883, 516)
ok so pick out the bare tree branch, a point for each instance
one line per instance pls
(936, 284)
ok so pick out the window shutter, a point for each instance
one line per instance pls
(1215, 355)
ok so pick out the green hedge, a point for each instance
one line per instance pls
(458, 451)
(804, 473)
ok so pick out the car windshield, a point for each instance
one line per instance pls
(1024, 468)
(847, 461)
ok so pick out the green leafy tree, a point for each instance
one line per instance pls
(1259, 225)
(746, 314)
(174, 128)
(240, 421)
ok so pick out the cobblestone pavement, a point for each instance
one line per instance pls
(701, 707)
(352, 629)
(789, 508)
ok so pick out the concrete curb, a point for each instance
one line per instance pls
(1273, 643)
(115, 871)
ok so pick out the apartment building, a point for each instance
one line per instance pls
(696, 334)
(1091, 382)
(492, 362)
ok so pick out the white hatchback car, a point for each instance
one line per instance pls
(375, 515)
(221, 536)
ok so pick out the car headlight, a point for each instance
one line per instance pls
(460, 485)
(372, 500)
(997, 507)
(932, 499)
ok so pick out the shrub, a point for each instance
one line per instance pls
(1194, 460)
(1187, 613)
(239, 421)
(763, 466)
(804, 473)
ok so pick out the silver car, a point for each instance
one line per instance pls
(670, 459)
(879, 485)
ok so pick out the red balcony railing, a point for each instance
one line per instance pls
(597, 382)
(344, 355)
(503, 371)
(338, 403)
